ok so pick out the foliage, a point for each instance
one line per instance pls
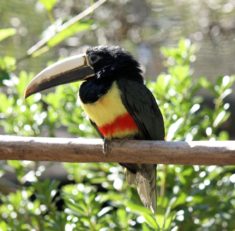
(96, 196)
(7, 32)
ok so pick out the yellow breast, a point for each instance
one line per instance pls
(107, 108)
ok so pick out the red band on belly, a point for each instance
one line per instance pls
(120, 124)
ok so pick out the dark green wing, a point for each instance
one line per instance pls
(142, 106)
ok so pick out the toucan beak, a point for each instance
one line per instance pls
(69, 70)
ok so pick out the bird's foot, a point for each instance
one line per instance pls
(106, 147)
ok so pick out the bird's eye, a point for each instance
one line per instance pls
(94, 59)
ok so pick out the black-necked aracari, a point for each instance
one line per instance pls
(114, 97)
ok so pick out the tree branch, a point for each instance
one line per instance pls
(128, 151)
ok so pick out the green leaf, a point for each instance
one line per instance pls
(162, 84)
(3, 76)
(3, 226)
(174, 127)
(68, 32)
(220, 118)
(5, 33)
(7, 65)
(60, 33)
(48, 4)
(146, 213)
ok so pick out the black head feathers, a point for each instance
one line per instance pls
(113, 62)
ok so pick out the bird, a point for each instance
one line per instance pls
(118, 103)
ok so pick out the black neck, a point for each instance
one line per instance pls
(92, 89)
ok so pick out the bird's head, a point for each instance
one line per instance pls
(102, 63)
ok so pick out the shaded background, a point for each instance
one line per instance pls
(140, 26)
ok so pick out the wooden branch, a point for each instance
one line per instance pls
(129, 151)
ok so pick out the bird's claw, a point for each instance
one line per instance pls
(106, 147)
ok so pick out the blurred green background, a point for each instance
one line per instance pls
(192, 80)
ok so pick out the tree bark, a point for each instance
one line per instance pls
(128, 151)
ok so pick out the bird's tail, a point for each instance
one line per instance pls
(143, 176)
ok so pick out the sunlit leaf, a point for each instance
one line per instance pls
(146, 213)
(174, 128)
(5, 33)
(48, 4)
(226, 93)
(7, 64)
(68, 32)
(58, 35)
(221, 117)
(3, 226)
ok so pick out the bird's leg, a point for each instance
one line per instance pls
(106, 146)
